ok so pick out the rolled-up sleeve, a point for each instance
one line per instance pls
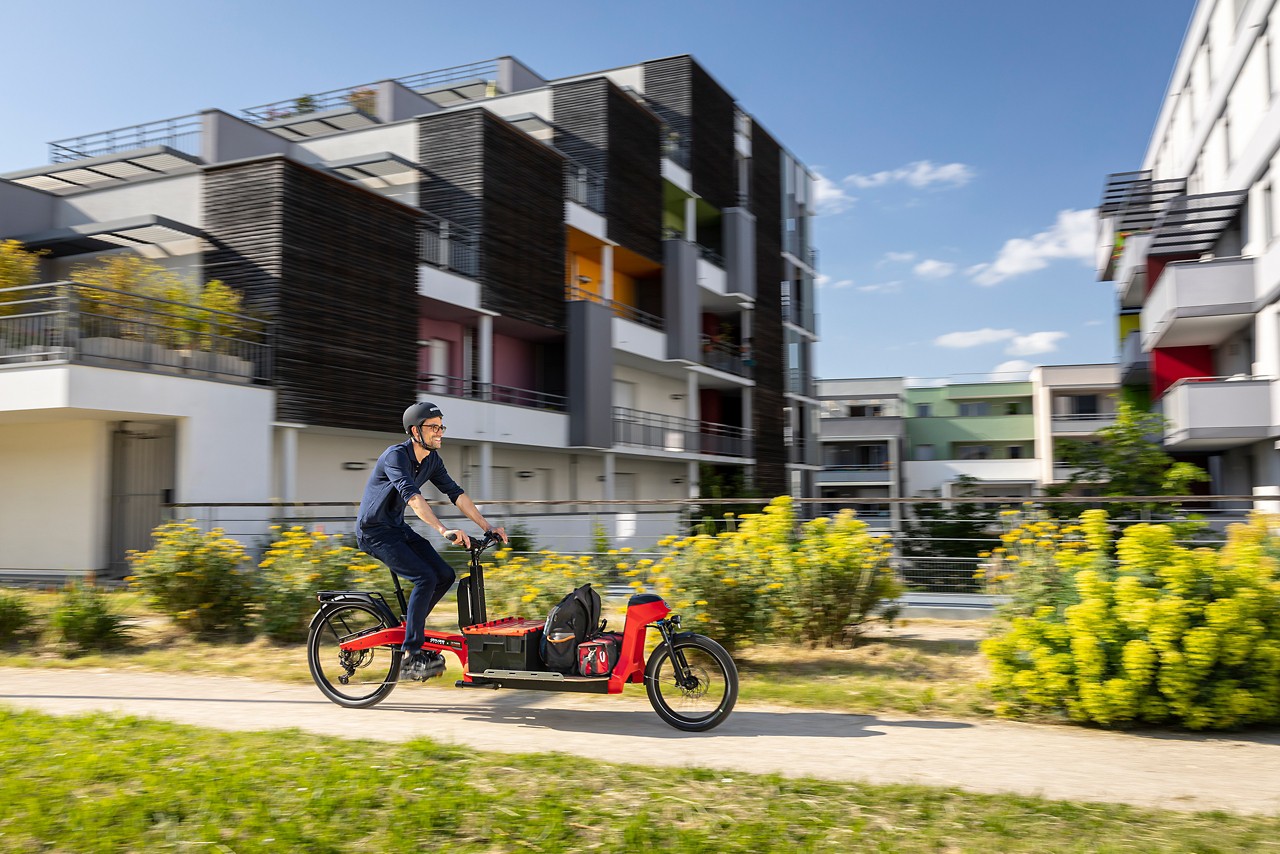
(400, 474)
(444, 483)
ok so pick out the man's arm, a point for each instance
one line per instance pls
(469, 509)
(423, 510)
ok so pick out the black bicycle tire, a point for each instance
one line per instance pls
(653, 684)
(314, 636)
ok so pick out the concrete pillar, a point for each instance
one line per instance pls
(691, 220)
(289, 461)
(607, 488)
(486, 470)
(485, 348)
(691, 478)
(606, 271)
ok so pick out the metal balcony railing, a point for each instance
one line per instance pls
(490, 392)
(474, 72)
(87, 324)
(675, 147)
(584, 186)
(620, 309)
(711, 256)
(674, 434)
(362, 98)
(181, 133)
(724, 356)
(449, 246)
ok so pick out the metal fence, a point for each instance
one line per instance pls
(449, 246)
(494, 392)
(584, 186)
(181, 133)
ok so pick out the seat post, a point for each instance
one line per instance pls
(404, 606)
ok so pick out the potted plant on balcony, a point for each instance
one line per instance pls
(364, 99)
(18, 268)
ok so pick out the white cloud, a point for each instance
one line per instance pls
(933, 269)
(1071, 236)
(920, 174)
(896, 258)
(881, 288)
(1035, 343)
(975, 338)
(829, 197)
(824, 281)
(1013, 370)
(1093, 323)
(843, 283)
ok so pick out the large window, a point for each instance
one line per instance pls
(975, 408)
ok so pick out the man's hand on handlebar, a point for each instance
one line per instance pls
(500, 533)
(459, 537)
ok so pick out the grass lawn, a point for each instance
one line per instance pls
(96, 783)
(918, 666)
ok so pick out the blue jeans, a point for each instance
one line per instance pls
(410, 556)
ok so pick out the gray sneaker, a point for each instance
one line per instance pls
(421, 666)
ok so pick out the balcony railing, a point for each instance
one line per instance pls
(475, 72)
(362, 98)
(584, 186)
(181, 133)
(1135, 363)
(86, 324)
(1216, 413)
(872, 473)
(620, 309)
(675, 147)
(711, 256)
(1066, 423)
(678, 435)
(798, 382)
(490, 392)
(449, 246)
(1198, 303)
(725, 357)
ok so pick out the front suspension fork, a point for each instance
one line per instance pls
(685, 679)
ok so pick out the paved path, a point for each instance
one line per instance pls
(1183, 772)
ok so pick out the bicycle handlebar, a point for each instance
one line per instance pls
(478, 544)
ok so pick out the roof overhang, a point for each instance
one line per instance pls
(382, 166)
(150, 230)
(105, 171)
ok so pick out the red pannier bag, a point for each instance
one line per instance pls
(597, 656)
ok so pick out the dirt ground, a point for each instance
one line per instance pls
(1238, 772)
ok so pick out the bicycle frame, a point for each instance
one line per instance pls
(643, 610)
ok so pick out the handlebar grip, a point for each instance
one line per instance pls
(451, 536)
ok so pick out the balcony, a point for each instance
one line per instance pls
(847, 427)
(1216, 413)
(490, 392)
(1131, 274)
(620, 309)
(724, 356)
(1198, 303)
(100, 327)
(1135, 363)
(672, 434)
(309, 116)
(449, 246)
(1081, 424)
(854, 475)
(584, 186)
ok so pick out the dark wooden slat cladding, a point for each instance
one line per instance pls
(336, 267)
(605, 129)
(484, 174)
(524, 237)
(712, 156)
(451, 152)
(668, 90)
(767, 334)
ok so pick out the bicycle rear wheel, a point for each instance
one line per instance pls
(355, 679)
(697, 698)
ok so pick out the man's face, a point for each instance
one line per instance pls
(433, 433)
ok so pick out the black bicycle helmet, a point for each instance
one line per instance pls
(420, 412)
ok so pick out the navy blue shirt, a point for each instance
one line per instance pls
(397, 477)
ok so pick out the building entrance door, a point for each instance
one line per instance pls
(143, 464)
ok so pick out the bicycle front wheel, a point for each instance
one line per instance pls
(355, 679)
(694, 686)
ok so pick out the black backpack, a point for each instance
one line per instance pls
(576, 618)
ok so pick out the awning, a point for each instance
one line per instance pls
(1191, 225)
(382, 166)
(150, 230)
(107, 170)
(308, 125)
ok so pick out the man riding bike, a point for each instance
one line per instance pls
(382, 532)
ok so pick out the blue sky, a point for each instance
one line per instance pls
(962, 144)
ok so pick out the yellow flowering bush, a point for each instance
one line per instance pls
(767, 578)
(197, 578)
(297, 566)
(530, 585)
(1161, 634)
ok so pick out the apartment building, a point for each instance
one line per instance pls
(898, 438)
(606, 281)
(1189, 242)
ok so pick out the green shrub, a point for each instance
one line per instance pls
(17, 620)
(295, 568)
(1160, 634)
(198, 579)
(765, 578)
(84, 620)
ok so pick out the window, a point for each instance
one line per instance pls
(1014, 452)
(866, 410)
(924, 410)
(1084, 404)
(969, 410)
(1011, 408)
(924, 453)
(973, 452)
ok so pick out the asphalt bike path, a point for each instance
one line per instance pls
(1239, 772)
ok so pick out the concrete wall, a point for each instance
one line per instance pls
(53, 505)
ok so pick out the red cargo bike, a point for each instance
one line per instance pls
(353, 650)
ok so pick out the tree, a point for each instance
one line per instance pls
(18, 267)
(1127, 459)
